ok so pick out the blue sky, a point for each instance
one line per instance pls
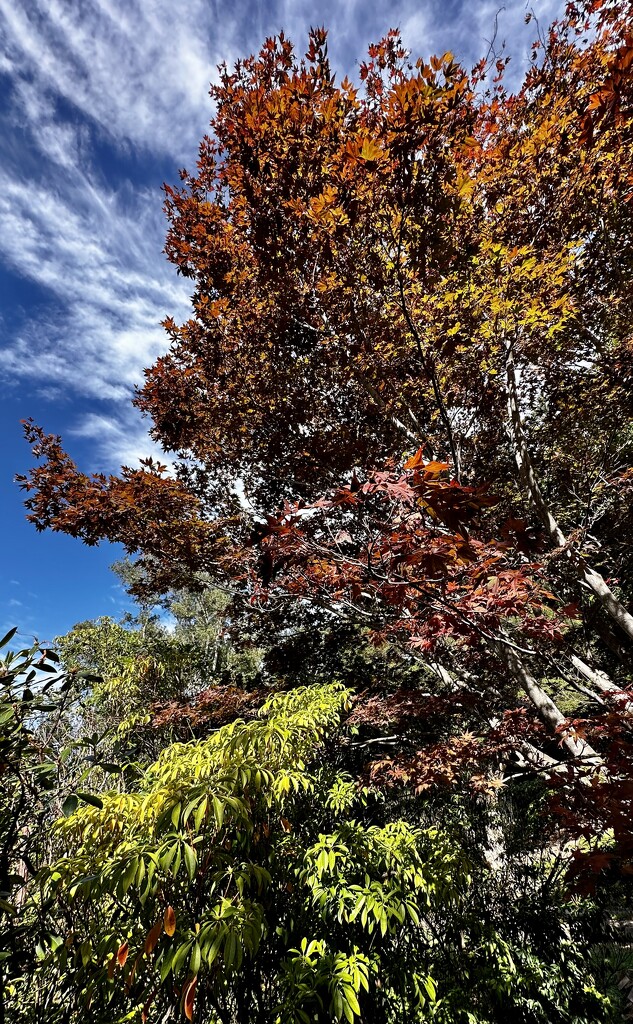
(101, 102)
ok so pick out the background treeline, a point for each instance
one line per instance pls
(252, 866)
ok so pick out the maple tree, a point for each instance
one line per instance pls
(403, 292)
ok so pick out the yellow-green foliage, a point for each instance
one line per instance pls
(233, 880)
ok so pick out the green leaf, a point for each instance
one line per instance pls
(130, 873)
(218, 810)
(200, 813)
(166, 965)
(350, 996)
(167, 856)
(429, 985)
(180, 956)
(348, 1013)
(6, 713)
(90, 798)
(8, 636)
(175, 868)
(190, 860)
(196, 959)
(337, 1004)
(188, 809)
(215, 946)
(70, 805)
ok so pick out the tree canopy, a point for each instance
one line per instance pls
(400, 418)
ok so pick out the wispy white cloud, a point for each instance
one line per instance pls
(139, 70)
(99, 255)
(120, 439)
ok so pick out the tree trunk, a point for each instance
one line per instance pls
(602, 682)
(588, 576)
(546, 709)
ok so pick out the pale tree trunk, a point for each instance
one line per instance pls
(601, 681)
(546, 709)
(588, 576)
(528, 754)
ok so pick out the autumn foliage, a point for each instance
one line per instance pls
(410, 346)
